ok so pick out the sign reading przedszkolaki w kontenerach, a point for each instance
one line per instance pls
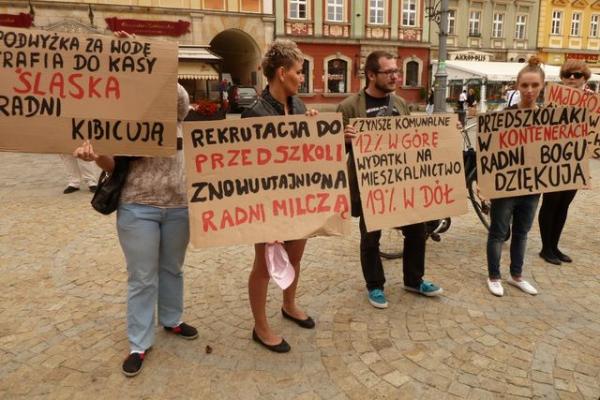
(266, 179)
(563, 95)
(527, 151)
(409, 169)
(59, 89)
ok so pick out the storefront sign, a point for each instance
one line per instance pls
(589, 58)
(469, 56)
(149, 28)
(20, 20)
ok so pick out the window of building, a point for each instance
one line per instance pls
(376, 10)
(498, 25)
(335, 10)
(304, 87)
(520, 31)
(474, 19)
(451, 22)
(556, 18)
(409, 13)
(595, 20)
(411, 74)
(576, 24)
(298, 9)
(337, 76)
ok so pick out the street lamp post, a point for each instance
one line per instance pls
(437, 11)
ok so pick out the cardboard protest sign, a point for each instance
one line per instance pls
(409, 169)
(527, 151)
(58, 89)
(266, 179)
(562, 95)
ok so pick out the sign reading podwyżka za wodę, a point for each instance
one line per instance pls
(409, 169)
(527, 151)
(562, 95)
(59, 89)
(266, 179)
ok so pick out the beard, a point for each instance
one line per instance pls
(385, 88)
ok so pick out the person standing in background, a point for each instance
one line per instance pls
(78, 170)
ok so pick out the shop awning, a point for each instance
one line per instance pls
(196, 70)
(496, 71)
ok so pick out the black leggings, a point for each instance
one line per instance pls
(552, 218)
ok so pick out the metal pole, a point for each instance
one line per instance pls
(441, 76)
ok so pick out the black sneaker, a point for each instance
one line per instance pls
(93, 188)
(133, 364)
(184, 330)
(70, 189)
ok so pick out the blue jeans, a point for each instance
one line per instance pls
(154, 241)
(522, 211)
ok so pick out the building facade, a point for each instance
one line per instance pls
(236, 30)
(490, 30)
(337, 35)
(570, 29)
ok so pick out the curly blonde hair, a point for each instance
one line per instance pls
(281, 53)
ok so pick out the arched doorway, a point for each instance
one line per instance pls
(241, 56)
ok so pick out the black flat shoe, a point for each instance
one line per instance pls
(307, 323)
(552, 259)
(563, 257)
(282, 347)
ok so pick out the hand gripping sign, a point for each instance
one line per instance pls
(266, 179)
(59, 89)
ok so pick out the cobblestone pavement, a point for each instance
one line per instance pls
(62, 314)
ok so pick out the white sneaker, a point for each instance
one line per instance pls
(523, 285)
(495, 287)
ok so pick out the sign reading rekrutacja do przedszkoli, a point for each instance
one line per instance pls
(527, 151)
(562, 95)
(266, 179)
(409, 169)
(59, 89)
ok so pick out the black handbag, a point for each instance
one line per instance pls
(108, 192)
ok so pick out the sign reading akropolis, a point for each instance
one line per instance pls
(409, 169)
(529, 151)
(266, 179)
(59, 89)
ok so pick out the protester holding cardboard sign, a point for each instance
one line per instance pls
(282, 66)
(153, 229)
(521, 209)
(555, 205)
(378, 99)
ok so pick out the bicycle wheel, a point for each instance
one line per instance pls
(390, 244)
(481, 206)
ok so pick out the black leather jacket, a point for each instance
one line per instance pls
(266, 105)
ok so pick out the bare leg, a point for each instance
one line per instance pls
(258, 284)
(295, 250)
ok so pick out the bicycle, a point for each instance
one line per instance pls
(388, 245)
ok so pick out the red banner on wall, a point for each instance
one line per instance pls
(148, 28)
(20, 20)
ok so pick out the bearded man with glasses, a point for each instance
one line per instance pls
(375, 100)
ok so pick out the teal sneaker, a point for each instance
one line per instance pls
(377, 298)
(426, 289)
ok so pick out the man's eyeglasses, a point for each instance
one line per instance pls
(575, 75)
(389, 72)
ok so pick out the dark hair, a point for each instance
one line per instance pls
(281, 53)
(576, 66)
(533, 65)
(372, 61)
